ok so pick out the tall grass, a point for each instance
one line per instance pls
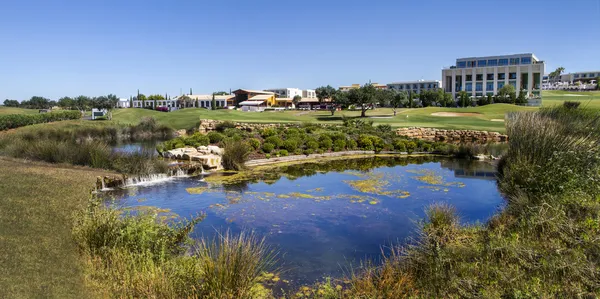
(235, 155)
(144, 254)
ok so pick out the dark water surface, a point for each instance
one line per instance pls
(324, 217)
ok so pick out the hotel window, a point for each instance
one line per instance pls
(576, 75)
(512, 76)
(470, 63)
(501, 76)
(469, 78)
(479, 87)
(489, 77)
(461, 64)
(592, 75)
(500, 85)
(513, 83)
(481, 63)
(489, 86)
(514, 61)
(422, 85)
(492, 62)
(526, 60)
(584, 76)
(503, 61)
(469, 87)
(479, 77)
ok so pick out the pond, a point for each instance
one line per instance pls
(145, 146)
(325, 217)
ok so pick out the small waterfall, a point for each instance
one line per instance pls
(147, 179)
(179, 173)
(103, 184)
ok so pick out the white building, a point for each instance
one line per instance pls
(580, 76)
(481, 76)
(415, 86)
(123, 103)
(286, 92)
(309, 94)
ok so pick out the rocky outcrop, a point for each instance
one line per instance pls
(451, 135)
(208, 156)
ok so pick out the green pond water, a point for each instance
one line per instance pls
(326, 217)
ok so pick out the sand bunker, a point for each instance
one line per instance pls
(380, 117)
(454, 114)
(496, 119)
(573, 95)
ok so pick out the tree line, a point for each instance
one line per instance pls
(368, 97)
(67, 103)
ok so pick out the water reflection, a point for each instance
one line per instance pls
(325, 216)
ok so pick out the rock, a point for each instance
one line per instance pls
(216, 150)
(453, 135)
(180, 133)
(209, 157)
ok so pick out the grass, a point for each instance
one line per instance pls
(39, 258)
(589, 99)
(14, 110)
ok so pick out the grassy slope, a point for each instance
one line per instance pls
(13, 110)
(555, 97)
(38, 255)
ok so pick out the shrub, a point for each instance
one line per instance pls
(290, 145)
(411, 146)
(268, 156)
(339, 145)
(282, 153)
(222, 126)
(254, 143)
(378, 143)
(268, 132)
(383, 128)
(292, 132)
(274, 140)
(298, 151)
(308, 151)
(400, 145)
(364, 142)
(235, 155)
(325, 142)
(11, 121)
(215, 137)
(426, 147)
(197, 139)
(312, 144)
(571, 104)
(268, 147)
(351, 144)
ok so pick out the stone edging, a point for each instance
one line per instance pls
(260, 162)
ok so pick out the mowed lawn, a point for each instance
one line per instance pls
(38, 256)
(478, 118)
(13, 110)
(589, 99)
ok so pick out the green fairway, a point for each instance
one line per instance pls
(13, 110)
(589, 99)
(480, 118)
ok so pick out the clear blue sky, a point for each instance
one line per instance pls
(68, 48)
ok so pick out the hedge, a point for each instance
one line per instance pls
(11, 121)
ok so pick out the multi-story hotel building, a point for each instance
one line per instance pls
(286, 92)
(309, 94)
(415, 86)
(481, 76)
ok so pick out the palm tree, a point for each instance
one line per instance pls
(556, 74)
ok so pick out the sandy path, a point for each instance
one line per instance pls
(454, 114)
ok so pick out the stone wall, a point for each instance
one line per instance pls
(207, 125)
(451, 135)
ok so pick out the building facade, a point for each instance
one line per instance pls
(583, 77)
(309, 94)
(480, 76)
(285, 92)
(415, 86)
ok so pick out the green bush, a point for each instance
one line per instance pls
(411, 146)
(11, 121)
(308, 151)
(254, 143)
(290, 145)
(274, 140)
(351, 144)
(365, 142)
(292, 132)
(197, 139)
(235, 155)
(312, 144)
(282, 153)
(298, 151)
(339, 145)
(215, 137)
(426, 147)
(400, 145)
(222, 126)
(268, 132)
(268, 147)
(325, 142)
(268, 156)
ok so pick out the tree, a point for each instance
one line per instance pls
(11, 103)
(364, 97)
(185, 101)
(522, 98)
(296, 100)
(428, 98)
(213, 103)
(141, 97)
(385, 97)
(506, 94)
(66, 103)
(338, 99)
(449, 100)
(400, 99)
(464, 100)
(325, 92)
(221, 93)
(113, 99)
(82, 103)
(556, 73)
(37, 102)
